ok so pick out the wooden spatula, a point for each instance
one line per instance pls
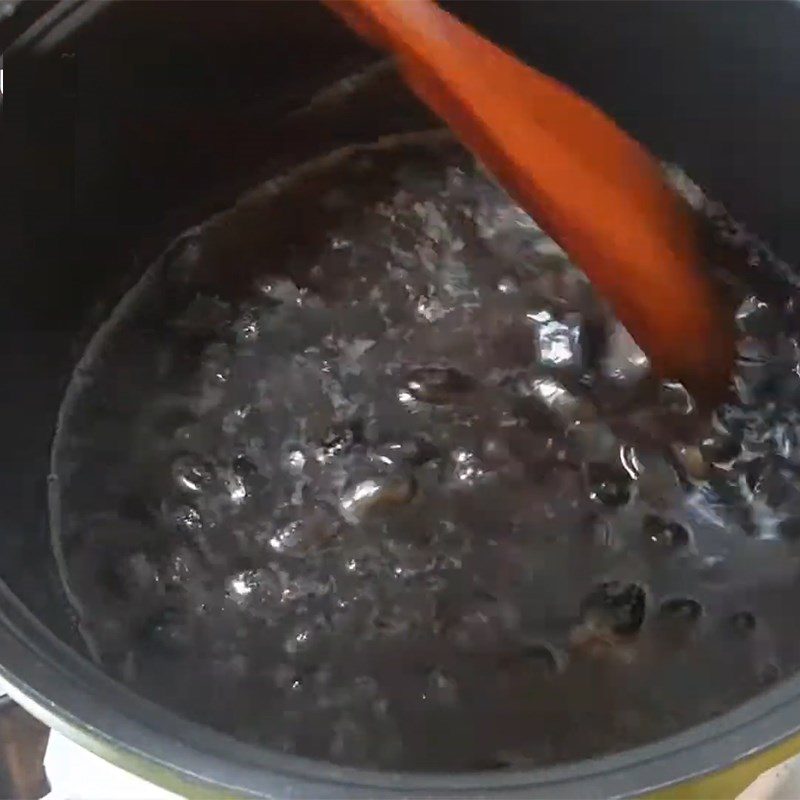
(594, 189)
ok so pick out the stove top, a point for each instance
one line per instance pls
(76, 774)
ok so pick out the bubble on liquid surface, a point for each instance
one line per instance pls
(191, 473)
(373, 494)
(383, 464)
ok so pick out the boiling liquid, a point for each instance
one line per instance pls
(363, 470)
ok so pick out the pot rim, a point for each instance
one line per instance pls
(68, 692)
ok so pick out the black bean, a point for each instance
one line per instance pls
(681, 609)
(439, 385)
(743, 622)
(608, 486)
(663, 533)
(720, 449)
(619, 607)
(538, 659)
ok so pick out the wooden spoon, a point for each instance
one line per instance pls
(594, 189)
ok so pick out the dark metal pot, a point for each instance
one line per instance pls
(124, 122)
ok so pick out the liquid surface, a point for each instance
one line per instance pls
(364, 470)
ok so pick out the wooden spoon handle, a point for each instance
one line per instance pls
(594, 189)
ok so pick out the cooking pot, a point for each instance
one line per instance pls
(125, 122)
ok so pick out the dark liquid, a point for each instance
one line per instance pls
(364, 470)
